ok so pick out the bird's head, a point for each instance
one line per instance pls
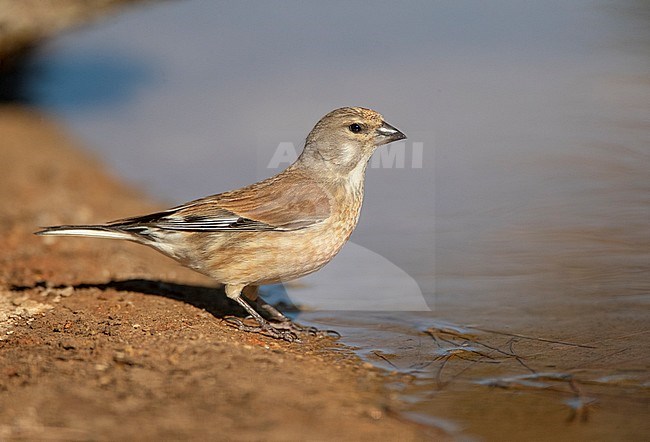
(348, 136)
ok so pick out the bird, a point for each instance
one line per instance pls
(276, 230)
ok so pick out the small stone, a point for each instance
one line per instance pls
(18, 301)
(67, 345)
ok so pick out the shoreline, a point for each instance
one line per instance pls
(108, 339)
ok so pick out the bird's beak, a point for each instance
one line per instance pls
(387, 134)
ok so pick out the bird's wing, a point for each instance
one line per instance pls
(281, 203)
(211, 219)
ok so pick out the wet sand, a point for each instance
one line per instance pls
(108, 340)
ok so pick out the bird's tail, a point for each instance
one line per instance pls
(95, 231)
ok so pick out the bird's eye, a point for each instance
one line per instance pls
(355, 128)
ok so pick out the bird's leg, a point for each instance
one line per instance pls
(252, 294)
(234, 293)
(280, 320)
(283, 321)
(274, 313)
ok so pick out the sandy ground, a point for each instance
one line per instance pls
(109, 340)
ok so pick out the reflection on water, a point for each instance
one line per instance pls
(526, 228)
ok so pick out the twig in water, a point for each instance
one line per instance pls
(533, 338)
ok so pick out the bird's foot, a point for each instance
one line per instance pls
(279, 320)
(265, 328)
(307, 330)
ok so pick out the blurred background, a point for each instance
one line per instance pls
(528, 210)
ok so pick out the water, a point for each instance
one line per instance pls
(527, 214)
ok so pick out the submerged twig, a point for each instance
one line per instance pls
(519, 359)
(579, 404)
(534, 338)
(446, 354)
(384, 358)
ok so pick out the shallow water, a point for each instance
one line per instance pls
(524, 227)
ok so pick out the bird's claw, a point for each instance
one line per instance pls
(279, 320)
(308, 330)
(265, 329)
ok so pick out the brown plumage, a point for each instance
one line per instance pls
(276, 230)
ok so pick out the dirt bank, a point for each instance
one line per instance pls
(109, 340)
